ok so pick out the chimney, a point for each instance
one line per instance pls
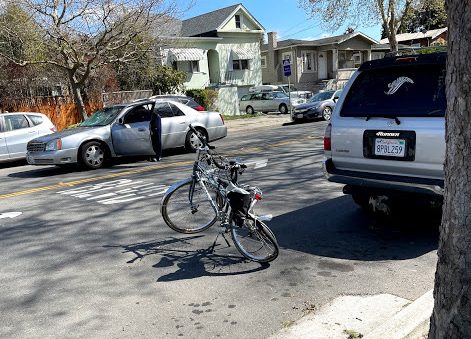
(272, 43)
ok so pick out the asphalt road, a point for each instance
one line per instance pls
(90, 256)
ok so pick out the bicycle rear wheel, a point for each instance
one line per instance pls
(184, 216)
(255, 241)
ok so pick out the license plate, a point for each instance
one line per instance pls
(299, 116)
(390, 147)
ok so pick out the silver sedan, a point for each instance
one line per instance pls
(123, 130)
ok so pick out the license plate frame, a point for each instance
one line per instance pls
(369, 137)
(299, 115)
(388, 147)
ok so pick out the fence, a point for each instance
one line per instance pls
(114, 98)
(61, 110)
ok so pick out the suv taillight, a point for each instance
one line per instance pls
(327, 139)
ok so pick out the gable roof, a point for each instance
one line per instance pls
(432, 34)
(212, 21)
(338, 39)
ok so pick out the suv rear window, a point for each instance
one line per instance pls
(403, 91)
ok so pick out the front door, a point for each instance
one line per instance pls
(322, 62)
(131, 136)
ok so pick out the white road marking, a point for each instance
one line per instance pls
(116, 191)
(10, 215)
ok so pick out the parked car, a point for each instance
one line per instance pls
(386, 139)
(189, 101)
(123, 130)
(17, 128)
(266, 102)
(298, 96)
(320, 105)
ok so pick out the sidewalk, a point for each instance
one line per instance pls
(271, 119)
(383, 316)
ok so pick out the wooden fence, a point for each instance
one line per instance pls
(61, 110)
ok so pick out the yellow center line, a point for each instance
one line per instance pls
(141, 170)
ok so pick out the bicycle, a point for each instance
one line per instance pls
(212, 194)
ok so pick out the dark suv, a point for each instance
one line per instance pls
(387, 132)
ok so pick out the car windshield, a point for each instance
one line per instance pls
(102, 117)
(406, 91)
(321, 96)
(289, 88)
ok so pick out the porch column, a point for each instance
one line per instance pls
(368, 55)
(335, 62)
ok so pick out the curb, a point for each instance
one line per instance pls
(411, 322)
(258, 122)
(381, 316)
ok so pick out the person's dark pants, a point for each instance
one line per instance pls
(156, 143)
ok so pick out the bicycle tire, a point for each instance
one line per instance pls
(177, 211)
(255, 241)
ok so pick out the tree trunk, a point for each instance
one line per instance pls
(77, 95)
(451, 316)
(393, 42)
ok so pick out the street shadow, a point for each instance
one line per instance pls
(337, 228)
(14, 163)
(301, 122)
(189, 263)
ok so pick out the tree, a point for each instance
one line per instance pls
(80, 36)
(451, 316)
(430, 15)
(334, 13)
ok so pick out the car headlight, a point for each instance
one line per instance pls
(54, 145)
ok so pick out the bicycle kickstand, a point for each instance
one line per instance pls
(211, 249)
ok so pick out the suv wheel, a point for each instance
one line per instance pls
(249, 110)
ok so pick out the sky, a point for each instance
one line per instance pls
(282, 16)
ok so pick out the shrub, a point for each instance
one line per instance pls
(205, 97)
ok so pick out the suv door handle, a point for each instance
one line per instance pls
(141, 129)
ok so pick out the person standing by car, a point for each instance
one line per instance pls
(155, 128)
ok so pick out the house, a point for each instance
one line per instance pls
(219, 49)
(434, 37)
(315, 61)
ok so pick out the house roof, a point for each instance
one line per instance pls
(432, 34)
(207, 22)
(387, 47)
(337, 39)
(212, 21)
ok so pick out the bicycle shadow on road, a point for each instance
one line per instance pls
(190, 263)
(337, 228)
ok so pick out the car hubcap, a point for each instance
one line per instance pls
(249, 110)
(283, 109)
(94, 155)
(195, 141)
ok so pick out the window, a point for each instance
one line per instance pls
(14, 122)
(238, 21)
(138, 114)
(164, 110)
(267, 96)
(240, 64)
(246, 97)
(35, 119)
(378, 91)
(176, 111)
(257, 96)
(194, 66)
(263, 61)
(308, 61)
(356, 57)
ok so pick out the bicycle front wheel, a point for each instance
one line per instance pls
(187, 209)
(255, 241)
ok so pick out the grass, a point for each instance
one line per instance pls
(242, 116)
(353, 334)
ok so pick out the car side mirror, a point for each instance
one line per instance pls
(336, 99)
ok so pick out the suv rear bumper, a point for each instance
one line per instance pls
(382, 181)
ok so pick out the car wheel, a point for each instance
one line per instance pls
(327, 113)
(283, 109)
(92, 155)
(192, 142)
(249, 110)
